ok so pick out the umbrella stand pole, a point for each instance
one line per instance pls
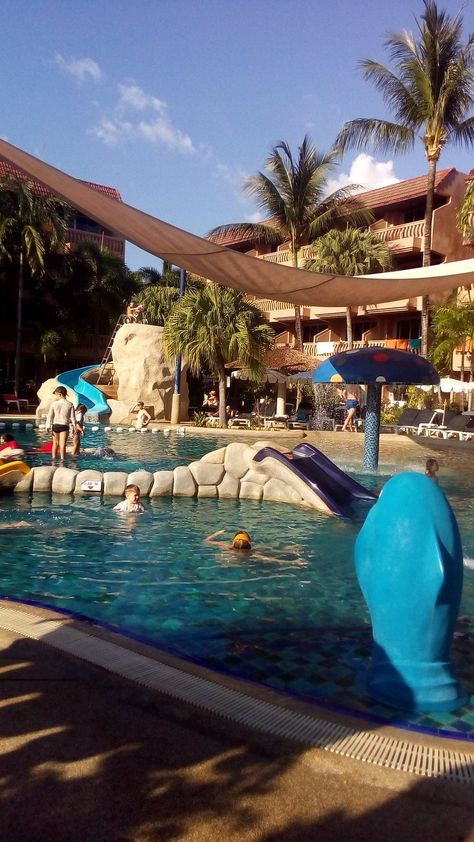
(372, 426)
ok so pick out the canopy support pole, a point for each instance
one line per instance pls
(176, 400)
(372, 426)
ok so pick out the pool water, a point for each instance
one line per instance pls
(297, 622)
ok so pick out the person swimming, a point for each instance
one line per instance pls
(242, 542)
(105, 453)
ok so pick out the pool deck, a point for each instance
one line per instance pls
(89, 754)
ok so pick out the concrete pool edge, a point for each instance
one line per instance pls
(256, 708)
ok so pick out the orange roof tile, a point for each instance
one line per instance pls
(6, 169)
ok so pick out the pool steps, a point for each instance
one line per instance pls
(229, 472)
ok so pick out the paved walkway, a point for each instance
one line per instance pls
(85, 755)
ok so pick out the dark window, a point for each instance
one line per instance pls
(409, 328)
(359, 328)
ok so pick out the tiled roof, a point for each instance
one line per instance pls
(6, 169)
(284, 359)
(402, 191)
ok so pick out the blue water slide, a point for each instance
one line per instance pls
(86, 392)
(333, 486)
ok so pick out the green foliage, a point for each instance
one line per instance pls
(417, 398)
(349, 252)
(158, 302)
(452, 326)
(390, 414)
(200, 419)
(214, 325)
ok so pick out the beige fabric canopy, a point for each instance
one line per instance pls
(230, 268)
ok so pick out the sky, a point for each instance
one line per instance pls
(175, 102)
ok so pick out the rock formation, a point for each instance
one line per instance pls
(143, 372)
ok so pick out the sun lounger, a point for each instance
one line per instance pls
(406, 422)
(461, 427)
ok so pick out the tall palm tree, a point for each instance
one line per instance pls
(430, 93)
(294, 197)
(213, 325)
(349, 252)
(453, 327)
(31, 224)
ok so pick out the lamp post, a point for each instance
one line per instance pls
(176, 401)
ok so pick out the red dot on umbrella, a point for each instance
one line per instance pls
(381, 358)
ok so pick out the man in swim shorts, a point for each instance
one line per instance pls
(61, 417)
(352, 402)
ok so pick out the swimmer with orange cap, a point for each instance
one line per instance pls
(242, 542)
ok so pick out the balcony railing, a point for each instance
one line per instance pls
(327, 349)
(113, 244)
(409, 231)
(285, 256)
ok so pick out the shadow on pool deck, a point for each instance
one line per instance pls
(87, 755)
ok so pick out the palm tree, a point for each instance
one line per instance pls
(213, 325)
(349, 252)
(430, 92)
(31, 224)
(465, 216)
(293, 195)
(453, 326)
(104, 279)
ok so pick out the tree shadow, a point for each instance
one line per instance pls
(87, 755)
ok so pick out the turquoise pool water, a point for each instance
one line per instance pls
(155, 577)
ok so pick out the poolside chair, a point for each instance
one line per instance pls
(432, 420)
(406, 422)
(461, 426)
(438, 430)
(11, 400)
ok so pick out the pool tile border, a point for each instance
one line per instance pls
(234, 700)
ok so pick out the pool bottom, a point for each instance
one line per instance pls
(332, 661)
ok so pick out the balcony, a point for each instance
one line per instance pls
(285, 256)
(403, 239)
(322, 350)
(113, 244)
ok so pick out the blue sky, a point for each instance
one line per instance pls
(174, 102)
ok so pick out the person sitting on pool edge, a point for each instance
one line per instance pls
(132, 501)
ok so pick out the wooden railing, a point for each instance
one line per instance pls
(113, 244)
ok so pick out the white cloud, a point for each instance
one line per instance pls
(81, 68)
(367, 172)
(151, 128)
(234, 177)
(135, 97)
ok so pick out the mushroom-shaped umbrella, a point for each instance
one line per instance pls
(375, 367)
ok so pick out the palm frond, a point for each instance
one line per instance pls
(381, 135)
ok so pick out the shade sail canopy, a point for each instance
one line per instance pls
(376, 366)
(231, 268)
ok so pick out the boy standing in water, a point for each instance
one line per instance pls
(61, 416)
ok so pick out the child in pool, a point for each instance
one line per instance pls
(132, 501)
(242, 542)
(79, 429)
(432, 469)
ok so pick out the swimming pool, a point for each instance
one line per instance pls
(289, 623)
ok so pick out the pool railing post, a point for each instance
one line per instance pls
(372, 426)
(176, 400)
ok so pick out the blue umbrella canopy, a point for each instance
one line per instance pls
(377, 366)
